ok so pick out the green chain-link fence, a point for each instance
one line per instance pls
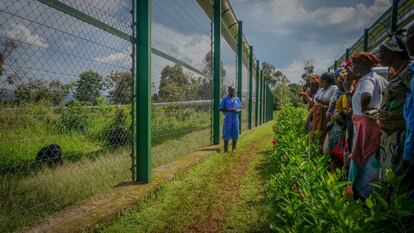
(399, 16)
(70, 118)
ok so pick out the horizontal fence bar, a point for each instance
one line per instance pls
(60, 6)
(101, 25)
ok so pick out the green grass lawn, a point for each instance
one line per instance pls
(25, 131)
(224, 193)
(25, 199)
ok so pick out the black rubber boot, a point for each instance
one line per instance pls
(226, 146)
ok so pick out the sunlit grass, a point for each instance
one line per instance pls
(181, 205)
(28, 198)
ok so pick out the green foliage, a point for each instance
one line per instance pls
(122, 83)
(74, 118)
(307, 197)
(174, 84)
(286, 94)
(208, 69)
(40, 90)
(89, 86)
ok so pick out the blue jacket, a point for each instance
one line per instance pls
(409, 120)
(231, 119)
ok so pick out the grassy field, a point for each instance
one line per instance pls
(83, 132)
(224, 193)
(25, 199)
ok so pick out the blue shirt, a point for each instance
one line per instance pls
(231, 119)
(409, 120)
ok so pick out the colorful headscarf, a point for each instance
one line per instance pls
(342, 75)
(347, 63)
(365, 58)
(394, 42)
(314, 78)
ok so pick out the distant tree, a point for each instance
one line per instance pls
(38, 90)
(58, 91)
(272, 76)
(6, 80)
(8, 48)
(205, 88)
(89, 86)
(174, 84)
(121, 82)
(208, 69)
(32, 91)
(309, 69)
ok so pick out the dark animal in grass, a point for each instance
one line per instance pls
(50, 155)
(117, 136)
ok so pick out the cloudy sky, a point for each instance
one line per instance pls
(283, 32)
(288, 32)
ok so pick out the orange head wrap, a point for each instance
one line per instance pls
(314, 78)
(365, 58)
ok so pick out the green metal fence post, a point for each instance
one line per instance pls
(216, 71)
(394, 16)
(366, 38)
(261, 98)
(346, 54)
(264, 101)
(336, 65)
(264, 104)
(250, 87)
(143, 90)
(257, 92)
(270, 104)
(267, 105)
(239, 68)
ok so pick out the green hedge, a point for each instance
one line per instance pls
(306, 197)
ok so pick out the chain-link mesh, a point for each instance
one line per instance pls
(65, 90)
(228, 70)
(66, 85)
(245, 95)
(254, 102)
(182, 95)
(379, 31)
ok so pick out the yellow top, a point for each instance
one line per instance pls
(342, 103)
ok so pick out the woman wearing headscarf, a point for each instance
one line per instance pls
(310, 88)
(319, 105)
(336, 127)
(367, 135)
(392, 53)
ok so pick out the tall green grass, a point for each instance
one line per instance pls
(29, 191)
(25, 199)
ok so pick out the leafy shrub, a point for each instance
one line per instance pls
(306, 197)
(74, 118)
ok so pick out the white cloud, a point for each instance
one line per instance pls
(319, 53)
(123, 58)
(288, 11)
(294, 71)
(22, 33)
(190, 47)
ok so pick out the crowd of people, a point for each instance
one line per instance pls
(363, 120)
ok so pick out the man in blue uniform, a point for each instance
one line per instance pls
(230, 106)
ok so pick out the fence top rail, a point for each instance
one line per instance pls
(379, 29)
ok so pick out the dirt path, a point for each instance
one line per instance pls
(229, 188)
(200, 200)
